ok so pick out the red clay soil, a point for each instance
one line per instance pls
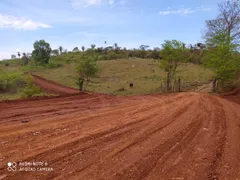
(186, 136)
(235, 92)
(233, 95)
(53, 87)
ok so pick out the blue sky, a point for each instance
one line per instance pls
(129, 23)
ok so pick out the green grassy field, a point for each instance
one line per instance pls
(145, 74)
(116, 74)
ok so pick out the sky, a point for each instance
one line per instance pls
(74, 23)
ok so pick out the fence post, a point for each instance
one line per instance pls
(179, 85)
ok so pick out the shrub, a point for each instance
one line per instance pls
(11, 81)
(30, 89)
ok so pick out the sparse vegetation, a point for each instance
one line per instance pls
(121, 66)
(86, 69)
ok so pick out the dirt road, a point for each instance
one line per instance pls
(186, 136)
(53, 87)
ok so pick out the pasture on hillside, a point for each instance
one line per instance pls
(115, 75)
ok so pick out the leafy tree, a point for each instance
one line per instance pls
(222, 37)
(60, 49)
(75, 49)
(173, 53)
(85, 70)
(221, 59)
(41, 52)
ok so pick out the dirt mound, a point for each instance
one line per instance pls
(53, 87)
(233, 95)
(235, 92)
(90, 137)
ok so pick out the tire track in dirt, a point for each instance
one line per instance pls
(89, 118)
(177, 136)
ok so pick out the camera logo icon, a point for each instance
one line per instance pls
(12, 166)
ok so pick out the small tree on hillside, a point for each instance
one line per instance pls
(41, 52)
(173, 53)
(85, 70)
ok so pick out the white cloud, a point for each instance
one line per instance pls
(86, 3)
(183, 11)
(7, 21)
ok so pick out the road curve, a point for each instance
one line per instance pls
(186, 136)
(53, 87)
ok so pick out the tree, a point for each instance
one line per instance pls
(115, 46)
(222, 37)
(19, 55)
(60, 49)
(25, 59)
(86, 69)
(155, 54)
(197, 52)
(83, 48)
(75, 49)
(173, 53)
(13, 56)
(93, 46)
(221, 59)
(144, 47)
(227, 21)
(41, 52)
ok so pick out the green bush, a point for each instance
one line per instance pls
(11, 81)
(31, 90)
